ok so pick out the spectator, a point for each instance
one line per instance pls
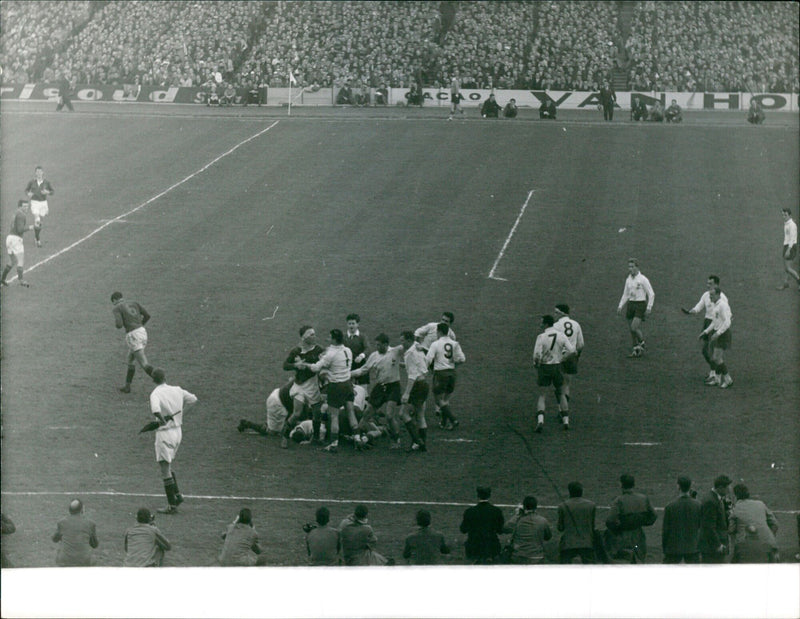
(359, 540)
(228, 95)
(714, 522)
(755, 113)
(510, 110)
(490, 108)
(751, 512)
(529, 533)
(548, 110)
(144, 543)
(382, 95)
(482, 523)
(638, 108)
(628, 514)
(241, 542)
(680, 533)
(426, 546)
(414, 95)
(8, 528)
(78, 536)
(657, 113)
(576, 522)
(345, 96)
(323, 542)
(752, 549)
(673, 114)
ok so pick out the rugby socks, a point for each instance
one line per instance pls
(129, 375)
(412, 430)
(316, 423)
(178, 495)
(249, 425)
(148, 369)
(170, 488)
(37, 229)
(423, 434)
(5, 273)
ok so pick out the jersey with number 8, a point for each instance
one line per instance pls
(572, 330)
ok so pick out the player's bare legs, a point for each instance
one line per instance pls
(790, 272)
(409, 424)
(141, 359)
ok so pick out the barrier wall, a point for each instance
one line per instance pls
(570, 100)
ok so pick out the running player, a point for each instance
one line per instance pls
(14, 245)
(38, 189)
(132, 316)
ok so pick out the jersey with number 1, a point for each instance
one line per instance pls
(572, 330)
(551, 347)
(444, 353)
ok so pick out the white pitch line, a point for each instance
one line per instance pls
(214, 497)
(508, 238)
(143, 204)
(642, 444)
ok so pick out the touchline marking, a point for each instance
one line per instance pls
(143, 204)
(273, 314)
(508, 238)
(214, 497)
(642, 444)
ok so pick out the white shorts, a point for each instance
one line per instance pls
(167, 443)
(39, 208)
(308, 391)
(360, 400)
(15, 247)
(276, 413)
(136, 339)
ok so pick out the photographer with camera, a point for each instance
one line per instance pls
(145, 545)
(241, 542)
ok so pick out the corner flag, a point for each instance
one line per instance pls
(292, 80)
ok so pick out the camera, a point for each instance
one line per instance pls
(308, 526)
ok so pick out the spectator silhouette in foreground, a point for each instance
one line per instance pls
(629, 512)
(145, 545)
(78, 536)
(425, 546)
(529, 532)
(680, 532)
(359, 540)
(322, 541)
(576, 518)
(482, 523)
(241, 542)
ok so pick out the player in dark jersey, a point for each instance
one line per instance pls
(38, 189)
(14, 245)
(305, 391)
(279, 406)
(133, 317)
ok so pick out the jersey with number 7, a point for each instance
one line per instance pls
(551, 347)
(444, 353)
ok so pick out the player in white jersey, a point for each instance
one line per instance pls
(426, 334)
(719, 339)
(573, 332)
(336, 361)
(706, 306)
(445, 354)
(416, 391)
(789, 248)
(637, 297)
(552, 348)
(168, 403)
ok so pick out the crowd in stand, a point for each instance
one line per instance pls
(573, 45)
(681, 46)
(714, 46)
(716, 526)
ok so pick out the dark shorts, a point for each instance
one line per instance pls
(386, 392)
(444, 381)
(792, 252)
(550, 374)
(419, 393)
(723, 341)
(340, 393)
(455, 99)
(570, 365)
(636, 309)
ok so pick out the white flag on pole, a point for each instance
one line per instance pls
(292, 80)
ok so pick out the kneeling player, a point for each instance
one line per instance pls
(552, 347)
(279, 406)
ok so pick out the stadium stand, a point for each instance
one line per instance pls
(674, 46)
